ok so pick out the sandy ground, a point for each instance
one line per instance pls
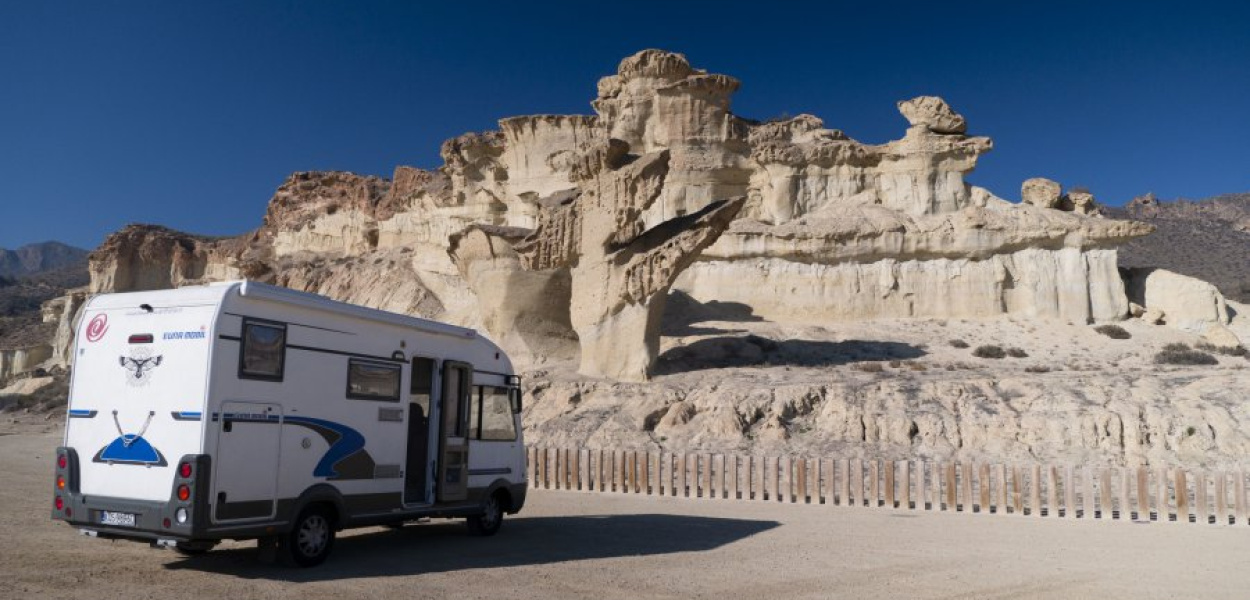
(570, 545)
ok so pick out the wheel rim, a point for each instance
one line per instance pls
(313, 534)
(492, 513)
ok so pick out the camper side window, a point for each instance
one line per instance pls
(263, 354)
(370, 380)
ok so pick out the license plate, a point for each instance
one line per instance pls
(117, 518)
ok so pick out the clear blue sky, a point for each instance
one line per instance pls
(189, 114)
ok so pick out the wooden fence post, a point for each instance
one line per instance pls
(1125, 491)
(1200, 496)
(1143, 494)
(965, 487)
(1087, 498)
(949, 483)
(1052, 492)
(1221, 498)
(803, 495)
(874, 483)
(934, 485)
(1017, 494)
(1182, 497)
(844, 482)
(905, 479)
(889, 484)
(856, 475)
(983, 488)
(1069, 493)
(1239, 494)
(1162, 506)
(1001, 503)
(1035, 492)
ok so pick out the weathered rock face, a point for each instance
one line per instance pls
(619, 270)
(151, 257)
(1177, 300)
(562, 231)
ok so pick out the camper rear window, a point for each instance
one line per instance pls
(264, 351)
(369, 380)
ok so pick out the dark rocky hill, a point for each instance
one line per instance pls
(33, 259)
(1208, 239)
(21, 295)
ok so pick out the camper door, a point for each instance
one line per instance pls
(453, 463)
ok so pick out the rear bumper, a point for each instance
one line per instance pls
(154, 519)
(150, 518)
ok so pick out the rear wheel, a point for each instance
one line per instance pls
(487, 523)
(310, 540)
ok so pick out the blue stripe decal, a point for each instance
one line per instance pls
(350, 441)
(79, 413)
(186, 415)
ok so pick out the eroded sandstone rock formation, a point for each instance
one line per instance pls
(557, 231)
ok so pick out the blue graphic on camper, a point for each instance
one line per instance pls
(131, 448)
(346, 457)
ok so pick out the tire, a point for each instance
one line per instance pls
(488, 523)
(310, 540)
(192, 549)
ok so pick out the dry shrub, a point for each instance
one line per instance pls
(1017, 353)
(1225, 350)
(989, 352)
(868, 367)
(959, 344)
(1114, 332)
(1182, 354)
(1037, 369)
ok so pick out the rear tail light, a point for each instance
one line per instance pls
(59, 503)
(181, 515)
(184, 493)
(61, 462)
(184, 470)
(166, 523)
(142, 338)
(60, 482)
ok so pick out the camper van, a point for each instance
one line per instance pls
(246, 411)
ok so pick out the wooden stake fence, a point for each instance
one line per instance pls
(1054, 492)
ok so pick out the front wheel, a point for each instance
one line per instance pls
(310, 541)
(487, 523)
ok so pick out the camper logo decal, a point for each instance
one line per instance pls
(98, 326)
(131, 448)
(139, 366)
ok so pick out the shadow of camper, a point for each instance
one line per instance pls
(444, 546)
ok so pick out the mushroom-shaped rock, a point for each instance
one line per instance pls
(1081, 203)
(934, 114)
(1041, 192)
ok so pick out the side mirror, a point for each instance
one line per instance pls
(516, 400)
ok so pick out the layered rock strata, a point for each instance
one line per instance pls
(565, 236)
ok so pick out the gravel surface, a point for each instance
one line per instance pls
(570, 545)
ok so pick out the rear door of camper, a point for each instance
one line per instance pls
(136, 403)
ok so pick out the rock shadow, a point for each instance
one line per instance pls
(752, 350)
(445, 546)
(682, 312)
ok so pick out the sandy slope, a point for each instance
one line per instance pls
(568, 545)
(900, 389)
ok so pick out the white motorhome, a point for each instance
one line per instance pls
(247, 411)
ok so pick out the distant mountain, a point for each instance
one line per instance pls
(33, 259)
(29, 276)
(1208, 239)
